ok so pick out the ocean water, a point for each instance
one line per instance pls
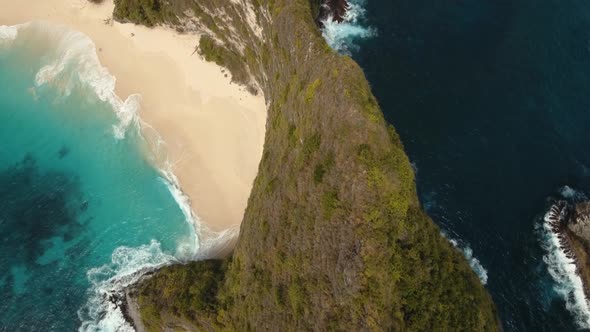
(491, 99)
(83, 209)
(343, 36)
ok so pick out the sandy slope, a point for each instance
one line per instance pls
(214, 130)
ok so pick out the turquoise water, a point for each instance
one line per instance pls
(82, 208)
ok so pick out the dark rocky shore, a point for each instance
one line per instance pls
(334, 8)
(571, 222)
(126, 301)
(129, 308)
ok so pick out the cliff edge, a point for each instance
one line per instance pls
(334, 237)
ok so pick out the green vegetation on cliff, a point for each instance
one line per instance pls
(180, 300)
(146, 12)
(333, 237)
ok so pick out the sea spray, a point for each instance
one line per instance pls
(561, 266)
(342, 36)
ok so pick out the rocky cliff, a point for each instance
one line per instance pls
(334, 237)
(571, 222)
(334, 9)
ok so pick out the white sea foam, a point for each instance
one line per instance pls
(102, 312)
(563, 270)
(103, 309)
(214, 244)
(341, 36)
(208, 243)
(8, 33)
(71, 60)
(188, 250)
(570, 193)
(475, 264)
(481, 272)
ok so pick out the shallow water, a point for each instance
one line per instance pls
(82, 208)
(491, 100)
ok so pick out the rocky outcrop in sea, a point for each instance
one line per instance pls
(571, 223)
(334, 8)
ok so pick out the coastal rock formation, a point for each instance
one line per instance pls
(571, 222)
(334, 237)
(579, 221)
(336, 9)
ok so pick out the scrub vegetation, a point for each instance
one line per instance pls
(333, 237)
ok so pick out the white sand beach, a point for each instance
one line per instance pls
(213, 130)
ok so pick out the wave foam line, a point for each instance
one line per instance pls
(74, 60)
(8, 33)
(189, 250)
(563, 269)
(103, 311)
(474, 263)
(341, 36)
(208, 243)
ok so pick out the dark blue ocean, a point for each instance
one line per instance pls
(492, 101)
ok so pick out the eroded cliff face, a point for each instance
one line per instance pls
(334, 237)
(579, 221)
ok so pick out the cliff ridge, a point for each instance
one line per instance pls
(334, 237)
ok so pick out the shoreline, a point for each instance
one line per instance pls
(559, 219)
(212, 130)
(571, 244)
(577, 249)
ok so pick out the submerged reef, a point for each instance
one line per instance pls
(334, 237)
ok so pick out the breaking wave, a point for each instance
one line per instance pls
(8, 33)
(104, 308)
(342, 36)
(562, 268)
(103, 311)
(207, 243)
(475, 264)
(72, 62)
